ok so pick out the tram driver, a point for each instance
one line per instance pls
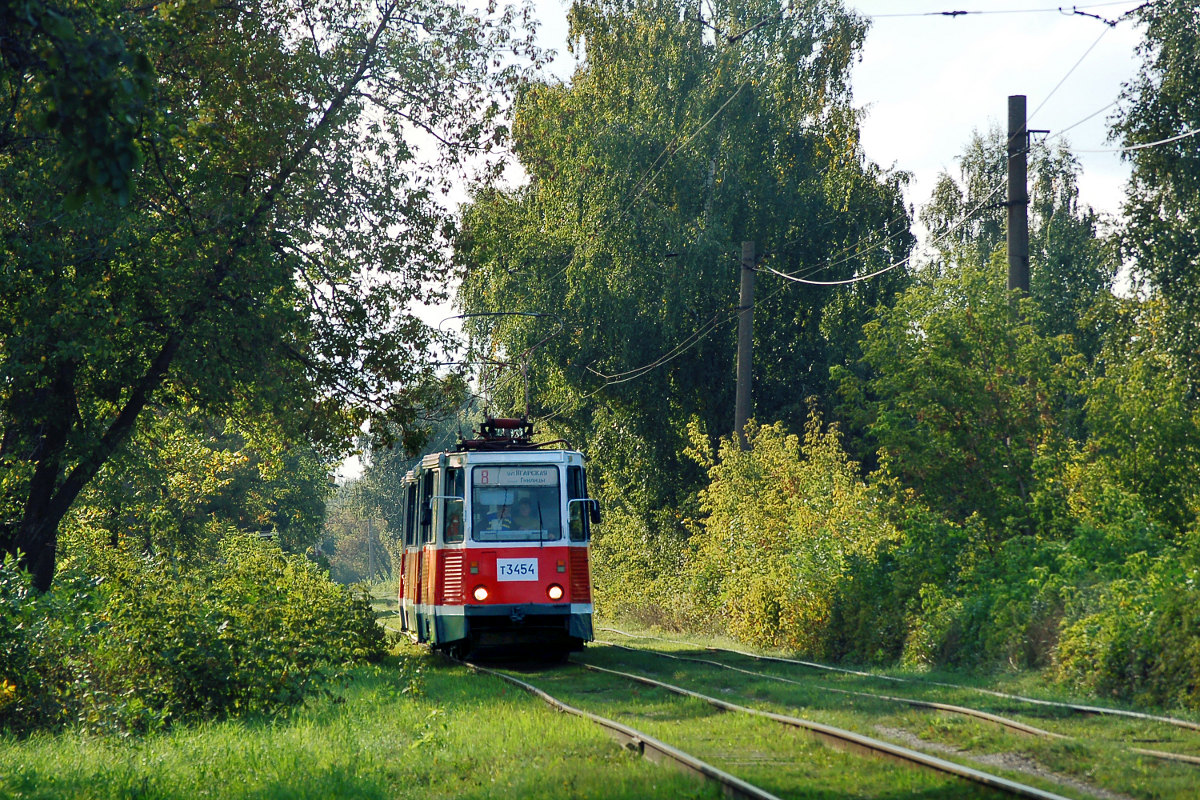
(499, 518)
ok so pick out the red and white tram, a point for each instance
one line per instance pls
(496, 546)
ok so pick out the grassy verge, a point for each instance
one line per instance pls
(398, 730)
(1098, 757)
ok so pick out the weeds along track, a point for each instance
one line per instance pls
(643, 712)
(948, 708)
(1073, 707)
(1065, 743)
(1004, 722)
(649, 747)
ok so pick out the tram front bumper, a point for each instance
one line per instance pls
(515, 623)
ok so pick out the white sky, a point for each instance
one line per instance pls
(928, 82)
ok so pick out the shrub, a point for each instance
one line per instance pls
(41, 640)
(636, 568)
(1137, 637)
(786, 521)
(125, 643)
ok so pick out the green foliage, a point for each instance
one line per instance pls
(967, 399)
(670, 146)
(1161, 238)
(380, 490)
(1071, 264)
(177, 475)
(1009, 602)
(1145, 418)
(259, 222)
(357, 546)
(125, 643)
(88, 87)
(638, 569)
(785, 521)
(1137, 636)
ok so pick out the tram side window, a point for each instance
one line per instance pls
(452, 506)
(577, 512)
(426, 507)
(410, 515)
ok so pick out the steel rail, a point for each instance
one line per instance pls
(1014, 725)
(1082, 709)
(647, 746)
(851, 741)
(1011, 724)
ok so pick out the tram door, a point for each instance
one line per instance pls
(426, 556)
(409, 570)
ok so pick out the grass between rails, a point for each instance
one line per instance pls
(458, 735)
(1097, 760)
(418, 727)
(783, 761)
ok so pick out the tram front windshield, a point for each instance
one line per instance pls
(515, 504)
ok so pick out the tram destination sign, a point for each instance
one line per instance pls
(516, 476)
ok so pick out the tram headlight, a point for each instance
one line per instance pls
(554, 592)
(480, 593)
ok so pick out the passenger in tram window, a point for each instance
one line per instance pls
(525, 519)
(499, 519)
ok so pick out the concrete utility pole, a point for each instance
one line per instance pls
(741, 412)
(1018, 195)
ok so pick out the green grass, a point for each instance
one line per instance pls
(781, 760)
(418, 727)
(1099, 754)
(459, 736)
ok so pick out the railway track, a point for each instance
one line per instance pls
(647, 746)
(1005, 722)
(1073, 707)
(623, 689)
(949, 779)
(1079, 749)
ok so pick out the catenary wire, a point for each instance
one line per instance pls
(944, 235)
(718, 320)
(1059, 134)
(1070, 72)
(1144, 145)
(645, 184)
(1043, 10)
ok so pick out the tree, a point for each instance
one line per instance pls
(380, 490)
(356, 546)
(965, 215)
(277, 222)
(179, 479)
(1162, 205)
(687, 130)
(1145, 425)
(965, 397)
(1071, 263)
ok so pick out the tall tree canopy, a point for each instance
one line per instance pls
(1160, 106)
(222, 207)
(687, 129)
(1071, 263)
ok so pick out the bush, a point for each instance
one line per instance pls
(786, 523)
(636, 568)
(123, 643)
(1137, 637)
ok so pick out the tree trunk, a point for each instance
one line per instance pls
(35, 540)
